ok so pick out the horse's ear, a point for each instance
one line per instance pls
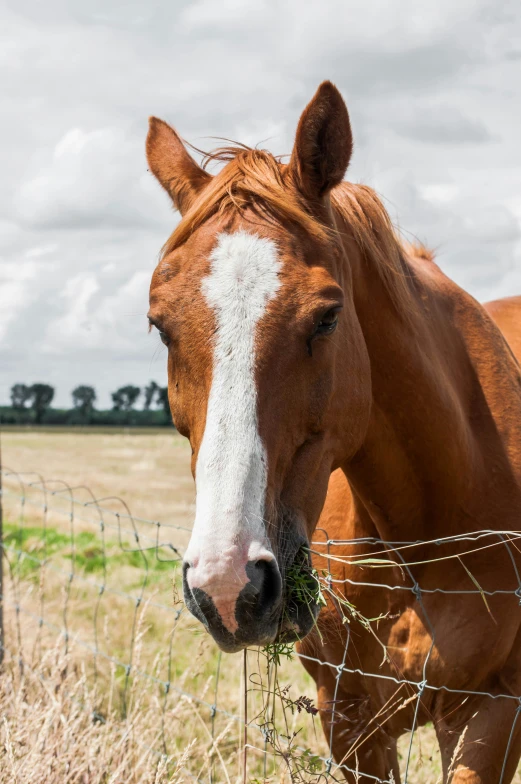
(171, 164)
(323, 143)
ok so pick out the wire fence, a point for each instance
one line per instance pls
(85, 574)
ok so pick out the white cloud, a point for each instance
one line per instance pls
(224, 14)
(15, 292)
(442, 125)
(91, 319)
(439, 192)
(94, 178)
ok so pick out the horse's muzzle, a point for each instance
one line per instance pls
(253, 620)
(262, 607)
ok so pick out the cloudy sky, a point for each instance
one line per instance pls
(434, 93)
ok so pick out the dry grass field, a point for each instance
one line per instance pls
(136, 692)
(150, 469)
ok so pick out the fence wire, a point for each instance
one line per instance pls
(85, 574)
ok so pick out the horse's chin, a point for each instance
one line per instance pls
(293, 627)
(296, 625)
(288, 636)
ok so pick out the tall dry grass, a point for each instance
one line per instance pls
(51, 731)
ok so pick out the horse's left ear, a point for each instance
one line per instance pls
(323, 143)
(171, 164)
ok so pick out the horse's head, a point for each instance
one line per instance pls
(268, 374)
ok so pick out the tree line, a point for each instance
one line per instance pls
(31, 404)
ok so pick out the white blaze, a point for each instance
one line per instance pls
(231, 470)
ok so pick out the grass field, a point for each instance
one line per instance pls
(151, 473)
(109, 702)
(151, 470)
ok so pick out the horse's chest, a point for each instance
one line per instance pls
(457, 643)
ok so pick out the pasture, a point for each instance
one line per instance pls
(105, 679)
(145, 734)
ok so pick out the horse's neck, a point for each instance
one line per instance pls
(446, 413)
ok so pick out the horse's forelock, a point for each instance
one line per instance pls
(252, 179)
(256, 180)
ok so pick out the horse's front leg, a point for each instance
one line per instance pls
(484, 745)
(358, 744)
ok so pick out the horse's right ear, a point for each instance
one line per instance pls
(323, 143)
(173, 167)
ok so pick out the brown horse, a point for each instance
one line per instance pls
(303, 337)
(353, 707)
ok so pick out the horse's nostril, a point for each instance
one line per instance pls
(236, 607)
(268, 582)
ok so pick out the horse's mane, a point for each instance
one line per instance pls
(255, 179)
(251, 179)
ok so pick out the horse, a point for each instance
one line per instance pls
(313, 353)
(338, 518)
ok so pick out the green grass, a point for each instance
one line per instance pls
(29, 547)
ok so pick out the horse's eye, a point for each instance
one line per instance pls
(328, 322)
(163, 336)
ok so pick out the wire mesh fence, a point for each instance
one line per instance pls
(84, 575)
